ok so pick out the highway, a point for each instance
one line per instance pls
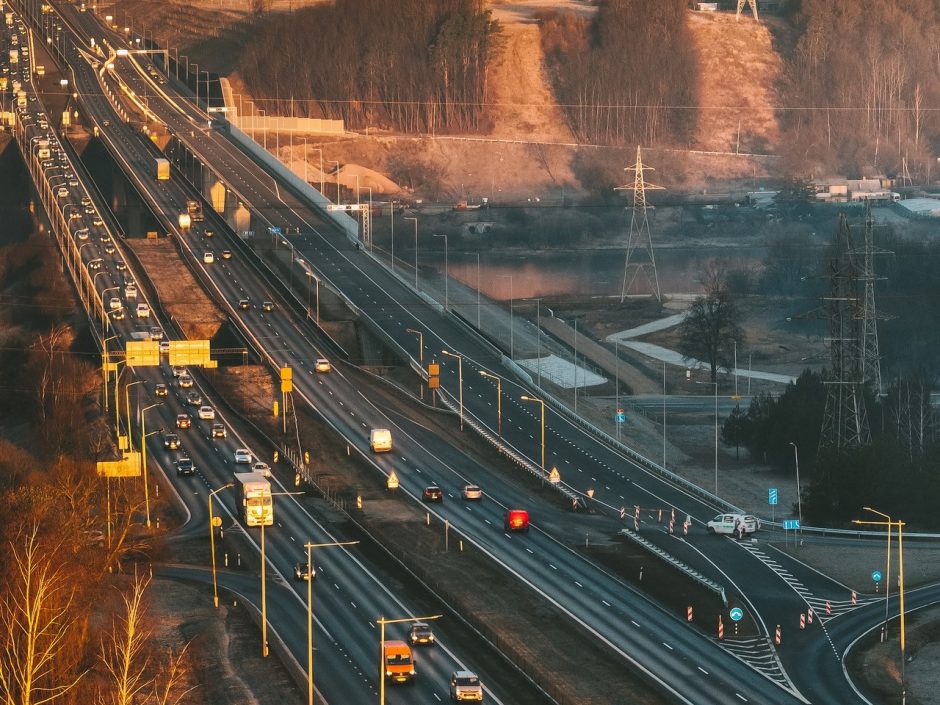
(646, 636)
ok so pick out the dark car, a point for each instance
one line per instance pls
(184, 466)
(171, 441)
(433, 493)
(244, 304)
(300, 571)
(420, 634)
(194, 398)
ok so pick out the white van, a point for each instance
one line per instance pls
(381, 440)
(739, 525)
(130, 291)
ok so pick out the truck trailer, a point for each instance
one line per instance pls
(255, 500)
(163, 169)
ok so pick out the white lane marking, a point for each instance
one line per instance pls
(552, 567)
(667, 646)
(634, 623)
(741, 696)
(703, 670)
(605, 603)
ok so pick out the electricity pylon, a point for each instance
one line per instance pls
(741, 3)
(640, 257)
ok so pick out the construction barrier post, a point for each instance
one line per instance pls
(777, 636)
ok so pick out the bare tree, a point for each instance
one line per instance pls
(711, 328)
(123, 653)
(35, 622)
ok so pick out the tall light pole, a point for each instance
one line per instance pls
(499, 401)
(127, 409)
(446, 269)
(420, 352)
(415, 219)
(381, 621)
(478, 292)
(310, 546)
(212, 525)
(799, 495)
(542, 403)
(143, 455)
(900, 524)
(459, 359)
(512, 302)
(716, 433)
(334, 161)
(105, 363)
(322, 185)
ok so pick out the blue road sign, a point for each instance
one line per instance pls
(772, 496)
(620, 417)
(876, 576)
(736, 614)
(791, 524)
(275, 231)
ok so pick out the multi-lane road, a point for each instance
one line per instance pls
(773, 587)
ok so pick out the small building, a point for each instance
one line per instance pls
(917, 208)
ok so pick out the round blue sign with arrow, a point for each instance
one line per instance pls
(876, 576)
(736, 614)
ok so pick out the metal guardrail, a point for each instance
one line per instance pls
(707, 583)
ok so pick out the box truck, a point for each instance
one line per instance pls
(163, 169)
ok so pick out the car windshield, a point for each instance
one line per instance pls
(468, 680)
(399, 659)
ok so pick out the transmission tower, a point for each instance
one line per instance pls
(640, 257)
(870, 353)
(741, 4)
(845, 423)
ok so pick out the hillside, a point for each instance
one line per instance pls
(528, 149)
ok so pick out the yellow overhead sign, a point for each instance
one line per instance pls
(128, 466)
(287, 376)
(193, 353)
(143, 353)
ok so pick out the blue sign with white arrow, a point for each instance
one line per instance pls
(791, 524)
(772, 496)
(736, 614)
(876, 576)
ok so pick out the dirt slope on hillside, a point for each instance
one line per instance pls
(738, 73)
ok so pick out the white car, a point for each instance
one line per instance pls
(178, 371)
(242, 456)
(62, 192)
(262, 467)
(208, 257)
(114, 303)
(323, 365)
(206, 413)
(739, 525)
(143, 310)
(130, 291)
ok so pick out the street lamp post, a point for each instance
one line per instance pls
(215, 589)
(143, 455)
(542, 403)
(420, 351)
(799, 494)
(105, 363)
(459, 358)
(900, 524)
(415, 219)
(446, 270)
(499, 402)
(716, 433)
(127, 410)
(381, 621)
(310, 546)
(336, 162)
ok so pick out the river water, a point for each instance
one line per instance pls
(586, 273)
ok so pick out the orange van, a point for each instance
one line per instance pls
(399, 663)
(517, 520)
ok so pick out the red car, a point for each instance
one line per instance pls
(183, 421)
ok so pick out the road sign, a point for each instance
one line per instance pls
(554, 476)
(876, 576)
(275, 231)
(791, 524)
(620, 417)
(772, 496)
(736, 614)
